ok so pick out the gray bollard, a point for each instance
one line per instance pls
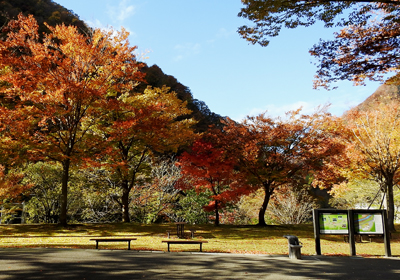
(294, 246)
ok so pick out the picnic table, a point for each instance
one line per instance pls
(180, 228)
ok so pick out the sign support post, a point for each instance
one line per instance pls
(316, 232)
(386, 235)
(352, 239)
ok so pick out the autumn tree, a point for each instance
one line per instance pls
(276, 152)
(61, 86)
(365, 48)
(206, 167)
(12, 158)
(144, 125)
(12, 151)
(375, 149)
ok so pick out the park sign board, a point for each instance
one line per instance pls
(337, 223)
(369, 223)
(350, 222)
(333, 223)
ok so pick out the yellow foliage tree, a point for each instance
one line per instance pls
(374, 146)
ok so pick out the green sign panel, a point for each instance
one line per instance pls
(330, 223)
(368, 223)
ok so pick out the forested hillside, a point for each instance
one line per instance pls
(155, 77)
(43, 11)
(385, 94)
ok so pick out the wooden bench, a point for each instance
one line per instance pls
(185, 242)
(113, 240)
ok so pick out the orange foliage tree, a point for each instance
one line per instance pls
(12, 156)
(207, 166)
(374, 148)
(276, 152)
(143, 125)
(366, 48)
(60, 86)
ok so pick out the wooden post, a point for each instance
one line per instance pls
(352, 240)
(386, 234)
(316, 232)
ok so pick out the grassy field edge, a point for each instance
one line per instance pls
(222, 239)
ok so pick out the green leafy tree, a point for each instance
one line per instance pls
(190, 208)
(44, 204)
(99, 196)
(43, 198)
(358, 193)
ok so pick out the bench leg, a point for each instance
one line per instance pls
(168, 247)
(97, 244)
(129, 244)
(201, 245)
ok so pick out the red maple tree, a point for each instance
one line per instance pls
(206, 166)
(274, 152)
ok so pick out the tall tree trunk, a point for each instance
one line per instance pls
(263, 208)
(125, 202)
(216, 223)
(390, 207)
(64, 192)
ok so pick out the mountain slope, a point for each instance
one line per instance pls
(43, 11)
(385, 94)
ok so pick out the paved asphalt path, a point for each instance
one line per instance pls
(123, 264)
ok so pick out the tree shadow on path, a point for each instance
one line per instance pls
(110, 264)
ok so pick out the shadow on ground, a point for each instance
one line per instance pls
(107, 264)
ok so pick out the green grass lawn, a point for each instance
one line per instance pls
(225, 238)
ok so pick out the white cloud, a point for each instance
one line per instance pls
(121, 12)
(97, 24)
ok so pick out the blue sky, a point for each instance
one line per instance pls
(197, 43)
